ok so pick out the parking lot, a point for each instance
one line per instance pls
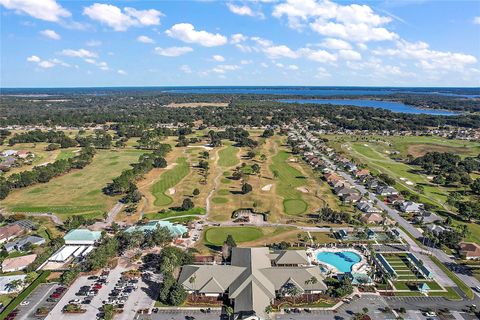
(181, 315)
(133, 296)
(38, 298)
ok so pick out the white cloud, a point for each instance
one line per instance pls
(350, 55)
(476, 20)
(318, 55)
(46, 64)
(237, 38)
(122, 72)
(113, 16)
(361, 32)
(282, 51)
(185, 69)
(335, 44)
(101, 65)
(172, 51)
(264, 65)
(218, 58)
(246, 62)
(93, 43)
(80, 53)
(186, 32)
(145, 39)
(428, 58)
(244, 10)
(322, 73)
(352, 22)
(224, 68)
(50, 34)
(48, 10)
(33, 59)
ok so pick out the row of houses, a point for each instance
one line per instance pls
(11, 158)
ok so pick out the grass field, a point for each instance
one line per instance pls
(173, 214)
(168, 180)
(77, 192)
(217, 235)
(228, 156)
(288, 180)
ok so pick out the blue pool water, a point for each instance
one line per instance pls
(343, 261)
(388, 105)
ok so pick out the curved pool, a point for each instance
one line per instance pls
(342, 260)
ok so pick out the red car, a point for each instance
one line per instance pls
(55, 295)
(97, 286)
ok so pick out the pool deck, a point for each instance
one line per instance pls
(359, 267)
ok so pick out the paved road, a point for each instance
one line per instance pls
(36, 299)
(442, 256)
(100, 225)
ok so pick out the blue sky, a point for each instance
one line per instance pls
(52, 43)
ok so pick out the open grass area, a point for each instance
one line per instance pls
(217, 235)
(228, 156)
(168, 215)
(288, 180)
(168, 180)
(77, 192)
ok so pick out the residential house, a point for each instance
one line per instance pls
(18, 263)
(351, 167)
(436, 229)
(395, 198)
(469, 250)
(362, 173)
(372, 218)
(427, 217)
(341, 191)
(7, 163)
(371, 235)
(351, 198)
(332, 177)
(367, 207)
(410, 207)
(19, 244)
(372, 184)
(253, 279)
(23, 154)
(384, 190)
(10, 232)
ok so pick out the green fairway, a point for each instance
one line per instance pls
(168, 180)
(173, 214)
(288, 180)
(65, 154)
(77, 192)
(228, 157)
(217, 235)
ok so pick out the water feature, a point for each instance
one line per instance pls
(343, 260)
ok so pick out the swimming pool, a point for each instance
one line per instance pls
(342, 260)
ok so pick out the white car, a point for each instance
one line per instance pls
(74, 301)
(25, 303)
(430, 314)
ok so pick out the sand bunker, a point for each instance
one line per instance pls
(171, 165)
(203, 147)
(268, 187)
(303, 189)
(171, 191)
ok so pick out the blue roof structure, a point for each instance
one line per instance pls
(176, 230)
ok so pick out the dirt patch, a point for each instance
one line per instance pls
(268, 187)
(197, 104)
(171, 165)
(418, 150)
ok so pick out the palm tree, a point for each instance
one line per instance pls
(192, 281)
(229, 311)
(14, 284)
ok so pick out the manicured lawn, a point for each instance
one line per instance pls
(172, 214)
(77, 192)
(228, 157)
(217, 235)
(287, 181)
(66, 154)
(168, 180)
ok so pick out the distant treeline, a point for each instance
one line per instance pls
(145, 111)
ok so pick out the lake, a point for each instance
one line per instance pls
(388, 105)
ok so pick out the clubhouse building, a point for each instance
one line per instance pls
(254, 279)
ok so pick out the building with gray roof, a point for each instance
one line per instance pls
(254, 278)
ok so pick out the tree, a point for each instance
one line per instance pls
(255, 168)
(475, 186)
(196, 192)
(159, 162)
(177, 295)
(230, 241)
(109, 311)
(246, 188)
(187, 204)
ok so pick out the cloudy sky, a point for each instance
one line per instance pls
(53, 43)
